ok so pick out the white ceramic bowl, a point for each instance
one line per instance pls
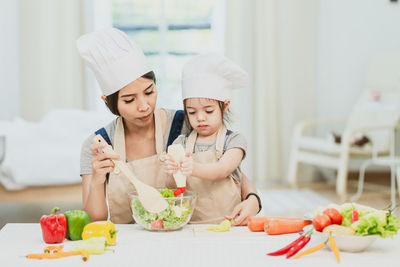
(349, 243)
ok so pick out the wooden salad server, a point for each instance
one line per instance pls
(150, 197)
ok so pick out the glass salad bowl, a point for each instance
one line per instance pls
(178, 213)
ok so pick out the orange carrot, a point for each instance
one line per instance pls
(53, 255)
(281, 226)
(256, 224)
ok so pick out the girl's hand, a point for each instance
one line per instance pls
(187, 165)
(244, 210)
(170, 165)
(101, 163)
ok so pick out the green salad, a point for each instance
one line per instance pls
(171, 218)
(369, 221)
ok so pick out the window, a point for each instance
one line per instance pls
(170, 32)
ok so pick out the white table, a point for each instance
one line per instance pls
(191, 246)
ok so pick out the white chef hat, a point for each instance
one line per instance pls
(115, 60)
(212, 76)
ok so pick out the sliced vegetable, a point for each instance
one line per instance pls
(179, 191)
(157, 225)
(85, 255)
(224, 226)
(93, 245)
(354, 216)
(53, 249)
(283, 226)
(338, 230)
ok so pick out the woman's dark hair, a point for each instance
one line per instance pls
(112, 100)
(225, 116)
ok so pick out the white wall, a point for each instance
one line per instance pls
(9, 60)
(275, 42)
(350, 31)
(51, 72)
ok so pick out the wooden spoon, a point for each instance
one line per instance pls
(150, 197)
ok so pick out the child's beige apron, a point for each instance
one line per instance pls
(215, 199)
(149, 170)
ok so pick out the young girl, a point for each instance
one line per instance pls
(213, 153)
(139, 134)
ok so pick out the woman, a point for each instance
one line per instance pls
(139, 135)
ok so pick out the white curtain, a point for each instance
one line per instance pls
(275, 41)
(51, 72)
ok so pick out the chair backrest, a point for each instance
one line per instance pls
(379, 104)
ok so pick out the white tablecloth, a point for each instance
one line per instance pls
(191, 246)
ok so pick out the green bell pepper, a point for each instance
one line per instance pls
(76, 220)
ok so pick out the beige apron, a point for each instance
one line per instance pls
(215, 199)
(149, 170)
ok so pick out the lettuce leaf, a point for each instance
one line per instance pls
(371, 221)
(377, 223)
(346, 214)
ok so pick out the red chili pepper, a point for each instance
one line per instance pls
(354, 216)
(179, 191)
(293, 250)
(54, 227)
(286, 249)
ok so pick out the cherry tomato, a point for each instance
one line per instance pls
(158, 224)
(354, 216)
(334, 215)
(321, 221)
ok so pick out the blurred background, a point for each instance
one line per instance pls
(306, 59)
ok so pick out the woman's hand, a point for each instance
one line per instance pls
(101, 163)
(187, 165)
(245, 209)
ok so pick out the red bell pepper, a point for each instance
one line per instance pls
(54, 227)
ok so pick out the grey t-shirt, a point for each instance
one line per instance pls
(86, 153)
(232, 140)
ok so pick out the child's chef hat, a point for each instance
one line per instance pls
(212, 76)
(115, 60)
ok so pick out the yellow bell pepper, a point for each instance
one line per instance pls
(101, 228)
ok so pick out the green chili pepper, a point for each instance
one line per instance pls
(76, 220)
